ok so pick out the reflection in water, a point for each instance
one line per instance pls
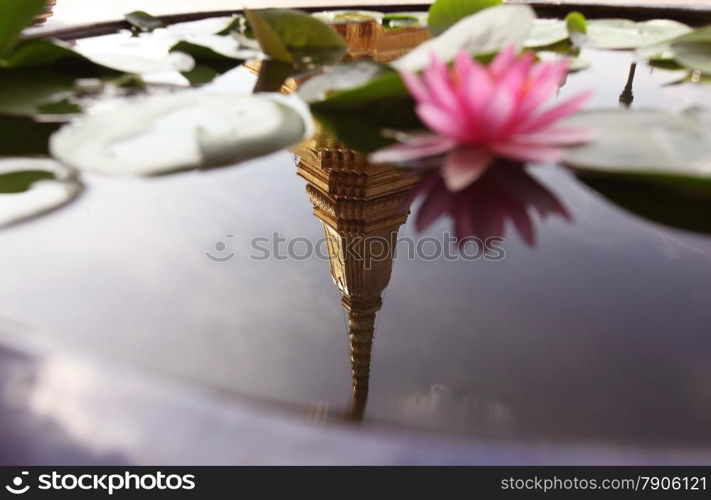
(626, 97)
(362, 207)
(505, 192)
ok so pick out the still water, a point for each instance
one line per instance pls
(596, 332)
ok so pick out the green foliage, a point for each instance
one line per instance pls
(445, 13)
(15, 15)
(292, 36)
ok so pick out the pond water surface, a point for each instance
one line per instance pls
(597, 332)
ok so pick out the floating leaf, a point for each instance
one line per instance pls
(143, 22)
(693, 50)
(25, 92)
(272, 76)
(293, 36)
(546, 32)
(167, 133)
(684, 209)
(15, 15)
(650, 144)
(397, 20)
(25, 136)
(208, 62)
(486, 32)
(31, 186)
(626, 34)
(43, 53)
(352, 82)
(18, 182)
(357, 100)
(444, 14)
(575, 22)
(348, 16)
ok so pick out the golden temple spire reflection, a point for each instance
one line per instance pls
(361, 206)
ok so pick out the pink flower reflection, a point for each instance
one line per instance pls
(479, 113)
(482, 209)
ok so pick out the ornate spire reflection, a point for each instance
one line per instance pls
(361, 206)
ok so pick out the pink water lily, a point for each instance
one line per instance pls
(502, 195)
(478, 113)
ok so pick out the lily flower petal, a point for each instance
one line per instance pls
(464, 166)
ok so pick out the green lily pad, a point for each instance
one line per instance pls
(153, 135)
(296, 37)
(686, 209)
(143, 21)
(626, 34)
(23, 136)
(347, 16)
(444, 14)
(649, 144)
(208, 62)
(32, 186)
(352, 83)
(575, 22)
(398, 20)
(693, 50)
(15, 15)
(546, 32)
(486, 32)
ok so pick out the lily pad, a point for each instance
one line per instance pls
(25, 136)
(168, 133)
(347, 16)
(397, 20)
(143, 21)
(575, 22)
(296, 37)
(32, 186)
(625, 34)
(486, 32)
(15, 15)
(546, 32)
(686, 209)
(352, 82)
(648, 144)
(693, 50)
(444, 14)
(208, 62)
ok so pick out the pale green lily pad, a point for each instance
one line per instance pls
(143, 21)
(625, 34)
(546, 32)
(347, 16)
(397, 20)
(32, 186)
(341, 78)
(693, 50)
(486, 32)
(647, 143)
(444, 14)
(168, 133)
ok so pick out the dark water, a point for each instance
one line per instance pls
(598, 332)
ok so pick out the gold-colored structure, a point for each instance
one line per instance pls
(362, 206)
(46, 13)
(370, 39)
